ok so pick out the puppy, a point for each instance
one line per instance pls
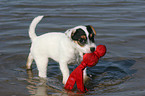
(64, 48)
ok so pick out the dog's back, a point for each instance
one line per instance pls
(51, 43)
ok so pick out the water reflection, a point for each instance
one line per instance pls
(104, 77)
(43, 87)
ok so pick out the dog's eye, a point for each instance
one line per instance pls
(91, 37)
(82, 41)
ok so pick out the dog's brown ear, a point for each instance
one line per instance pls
(91, 29)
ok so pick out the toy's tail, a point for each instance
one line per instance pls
(32, 27)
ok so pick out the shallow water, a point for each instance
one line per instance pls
(119, 24)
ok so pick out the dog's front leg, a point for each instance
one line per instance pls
(64, 70)
(85, 75)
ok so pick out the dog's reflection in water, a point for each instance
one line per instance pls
(42, 86)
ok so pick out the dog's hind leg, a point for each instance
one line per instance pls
(29, 61)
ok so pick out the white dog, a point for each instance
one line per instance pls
(64, 48)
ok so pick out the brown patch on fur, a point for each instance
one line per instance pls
(83, 37)
(93, 29)
(77, 42)
(91, 35)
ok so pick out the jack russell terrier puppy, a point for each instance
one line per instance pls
(64, 48)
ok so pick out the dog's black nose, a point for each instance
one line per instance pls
(92, 49)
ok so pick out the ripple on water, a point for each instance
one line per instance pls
(109, 74)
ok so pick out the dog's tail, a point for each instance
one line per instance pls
(32, 27)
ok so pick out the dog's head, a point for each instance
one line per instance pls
(83, 37)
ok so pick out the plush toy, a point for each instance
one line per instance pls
(89, 59)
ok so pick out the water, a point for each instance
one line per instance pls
(119, 24)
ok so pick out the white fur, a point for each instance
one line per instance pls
(57, 46)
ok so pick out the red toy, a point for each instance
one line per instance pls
(89, 59)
